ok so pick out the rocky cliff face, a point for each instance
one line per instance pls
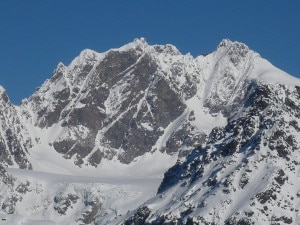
(110, 104)
(14, 138)
(229, 117)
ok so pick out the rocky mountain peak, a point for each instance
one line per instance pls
(3, 95)
(225, 43)
(60, 68)
(236, 51)
(2, 89)
(139, 98)
(141, 42)
(86, 56)
(235, 45)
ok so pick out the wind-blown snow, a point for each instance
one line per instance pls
(265, 72)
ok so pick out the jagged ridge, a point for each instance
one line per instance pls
(121, 103)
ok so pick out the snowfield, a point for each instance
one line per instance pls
(119, 188)
(117, 195)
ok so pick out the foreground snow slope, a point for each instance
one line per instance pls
(246, 173)
(65, 199)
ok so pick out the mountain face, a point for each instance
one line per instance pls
(109, 123)
(246, 173)
(137, 99)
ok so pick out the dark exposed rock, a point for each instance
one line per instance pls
(96, 157)
(168, 107)
(90, 215)
(284, 219)
(192, 169)
(244, 180)
(259, 97)
(263, 197)
(14, 142)
(139, 216)
(9, 205)
(71, 147)
(110, 69)
(237, 52)
(230, 148)
(23, 188)
(89, 116)
(64, 202)
(6, 178)
(243, 221)
(281, 178)
(14, 146)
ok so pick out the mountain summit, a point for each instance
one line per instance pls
(109, 122)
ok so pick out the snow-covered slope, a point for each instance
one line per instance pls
(68, 200)
(246, 173)
(101, 132)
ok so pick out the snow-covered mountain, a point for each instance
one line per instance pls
(102, 136)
